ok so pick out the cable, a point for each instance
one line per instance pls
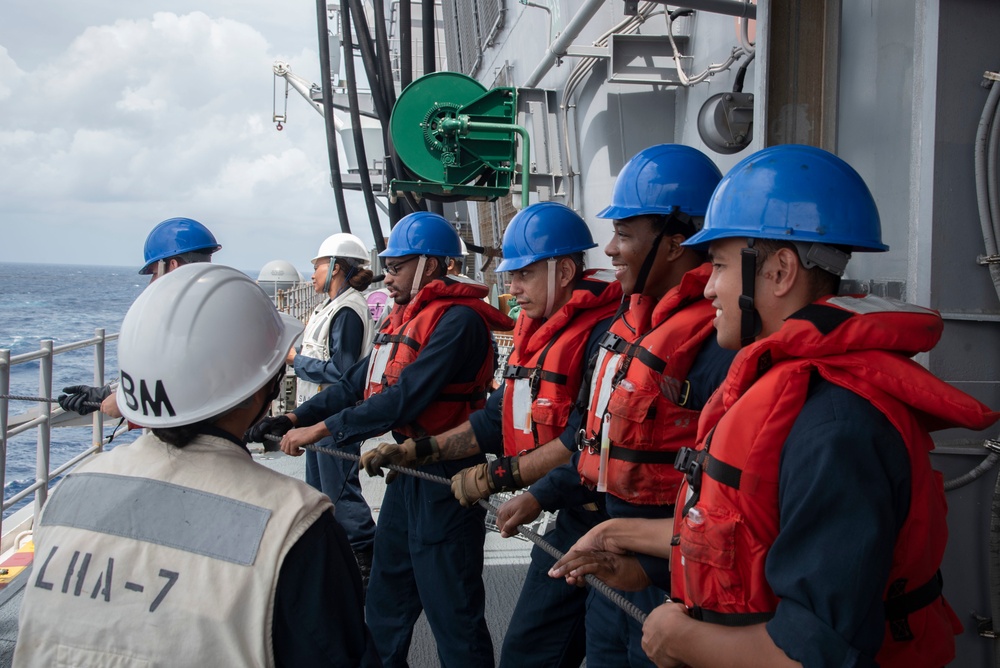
(606, 590)
(48, 400)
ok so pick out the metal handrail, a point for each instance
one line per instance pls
(43, 422)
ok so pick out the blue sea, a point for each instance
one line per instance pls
(65, 303)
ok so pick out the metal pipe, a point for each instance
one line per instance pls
(557, 48)
(97, 430)
(331, 130)
(44, 430)
(463, 126)
(4, 389)
(359, 140)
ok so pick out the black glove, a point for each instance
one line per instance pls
(83, 399)
(269, 426)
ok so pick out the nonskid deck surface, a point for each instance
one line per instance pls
(506, 563)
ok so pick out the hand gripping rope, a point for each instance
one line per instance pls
(605, 590)
(48, 400)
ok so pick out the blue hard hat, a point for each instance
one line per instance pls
(662, 179)
(176, 236)
(423, 233)
(541, 231)
(791, 192)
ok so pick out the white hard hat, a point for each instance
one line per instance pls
(343, 245)
(196, 343)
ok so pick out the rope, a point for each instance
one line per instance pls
(603, 588)
(48, 400)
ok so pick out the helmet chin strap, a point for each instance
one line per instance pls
(647, 264)
(329, 277)
(415, 285)
(750, 323)
(550, 298)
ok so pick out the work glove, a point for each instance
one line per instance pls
(269, 426)
(479, 481)
(83, 399)
(410, 453)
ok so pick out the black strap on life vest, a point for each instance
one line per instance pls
(522, 372)
(620, 346)
(730, 618)
(899, 605)
(641, 456)
(382, 339)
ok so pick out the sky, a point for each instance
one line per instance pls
(117, 115)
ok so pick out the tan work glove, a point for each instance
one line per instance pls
(410, 453)
(479, 481)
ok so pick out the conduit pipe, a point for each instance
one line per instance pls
(557, 49)
(987, 196)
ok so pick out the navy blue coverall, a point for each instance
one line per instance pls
(547, 626)
(428, 548)
(338, 478)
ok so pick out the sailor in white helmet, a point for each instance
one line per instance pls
(338, 334)
(179, 549)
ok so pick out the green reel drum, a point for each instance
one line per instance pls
(455, 138)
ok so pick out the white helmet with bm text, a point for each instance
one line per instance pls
(196, 343)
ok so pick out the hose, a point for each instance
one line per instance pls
(359, 141)
(603, 588)
(987, 197)
(331, 131)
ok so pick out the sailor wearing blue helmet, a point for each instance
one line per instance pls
(171, 244)
(431, 366)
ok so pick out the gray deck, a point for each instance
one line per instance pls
(506, 563)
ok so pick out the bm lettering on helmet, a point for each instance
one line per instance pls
(155, 402)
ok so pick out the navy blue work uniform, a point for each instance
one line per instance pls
(609, 628)
(839, 436)
(338, 478)
(428, 548)
(547, 626)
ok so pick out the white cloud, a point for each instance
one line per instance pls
(161, 114)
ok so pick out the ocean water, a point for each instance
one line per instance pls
(65, 303)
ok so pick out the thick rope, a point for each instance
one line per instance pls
(48, 400)
(603, 588)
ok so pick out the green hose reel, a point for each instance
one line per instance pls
(456, 139)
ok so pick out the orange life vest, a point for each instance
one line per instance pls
(729, 524)
(545, 368)
(409, 328)
(639, 390)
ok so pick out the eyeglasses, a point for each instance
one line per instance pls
(393, 269)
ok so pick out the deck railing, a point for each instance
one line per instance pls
(47, 411)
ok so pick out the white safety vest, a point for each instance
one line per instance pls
(152, 555)
(316, 338)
